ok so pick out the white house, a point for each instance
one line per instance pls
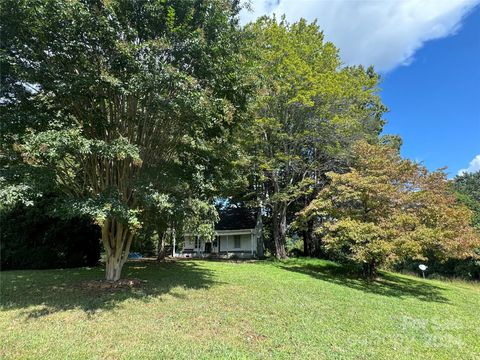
(238, 233)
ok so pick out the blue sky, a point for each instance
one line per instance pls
(435, 101)
(429, 55)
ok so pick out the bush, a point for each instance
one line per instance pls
(294, 246)
(145, 243)
(468, 269)
(295, 252)
(31, 238)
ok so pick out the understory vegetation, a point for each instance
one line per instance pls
(32, 237)
(293, 309)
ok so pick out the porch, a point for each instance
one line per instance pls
(225, 244)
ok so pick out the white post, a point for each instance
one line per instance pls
(227, 246)
(252, 243)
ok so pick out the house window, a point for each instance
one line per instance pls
(236, 241)
(197, 242)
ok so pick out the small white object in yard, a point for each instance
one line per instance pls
(423, 268)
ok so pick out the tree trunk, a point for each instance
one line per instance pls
(260, 245)
(308, 239)
(370, 269)
(280, 229)
(161, 245)
(113, 269)
(307, 249)
(317, 248)
(117, 239)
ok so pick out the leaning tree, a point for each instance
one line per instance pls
(104, 98)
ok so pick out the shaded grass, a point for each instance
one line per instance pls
(303, 308)
(386, 284)
(61, 290)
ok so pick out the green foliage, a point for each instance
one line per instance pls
(467, 190)
(116, 101)
(118, 87)
(34, 238)
(387, 209)
(145, 243)
(294, 246)
(309, 111)
(468, 269)
(467, 187)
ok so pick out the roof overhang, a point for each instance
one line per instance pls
(229, 232)
(235, 232)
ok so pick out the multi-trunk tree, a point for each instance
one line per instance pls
(105, 98)
(308, 112)
(388, 209)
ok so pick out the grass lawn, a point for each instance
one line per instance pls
(307, 309)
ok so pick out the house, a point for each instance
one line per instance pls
(238, 233)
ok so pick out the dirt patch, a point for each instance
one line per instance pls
(112, 285)
(252, 336)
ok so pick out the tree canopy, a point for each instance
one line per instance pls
(118, 102)
(308, 112)
(387, 209)
(467, 187)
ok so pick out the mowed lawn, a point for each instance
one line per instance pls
(297, 309)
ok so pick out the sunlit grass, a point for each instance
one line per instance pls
(200, 309)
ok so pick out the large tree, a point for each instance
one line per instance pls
(390, 209)
(467, 187)
(109, 99)
(309, 110)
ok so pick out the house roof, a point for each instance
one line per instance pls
(236, 218)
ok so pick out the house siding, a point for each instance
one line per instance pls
(190, 244)
(224, 245)
(229, 244)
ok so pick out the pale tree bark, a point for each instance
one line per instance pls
(162, 237)
(117, 239)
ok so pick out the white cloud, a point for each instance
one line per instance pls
(474, 166)
(383, 33)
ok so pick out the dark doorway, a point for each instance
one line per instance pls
(208, 247)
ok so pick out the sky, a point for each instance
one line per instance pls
(428, 53)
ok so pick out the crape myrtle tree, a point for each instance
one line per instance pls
(308, 112)
(389, 209)
(104, 98)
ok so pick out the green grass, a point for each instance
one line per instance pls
(304, 309)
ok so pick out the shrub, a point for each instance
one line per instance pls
(468, 269)
(31, 238)
(145, 243)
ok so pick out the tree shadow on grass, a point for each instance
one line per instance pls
(42, 292)
(385, 284)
